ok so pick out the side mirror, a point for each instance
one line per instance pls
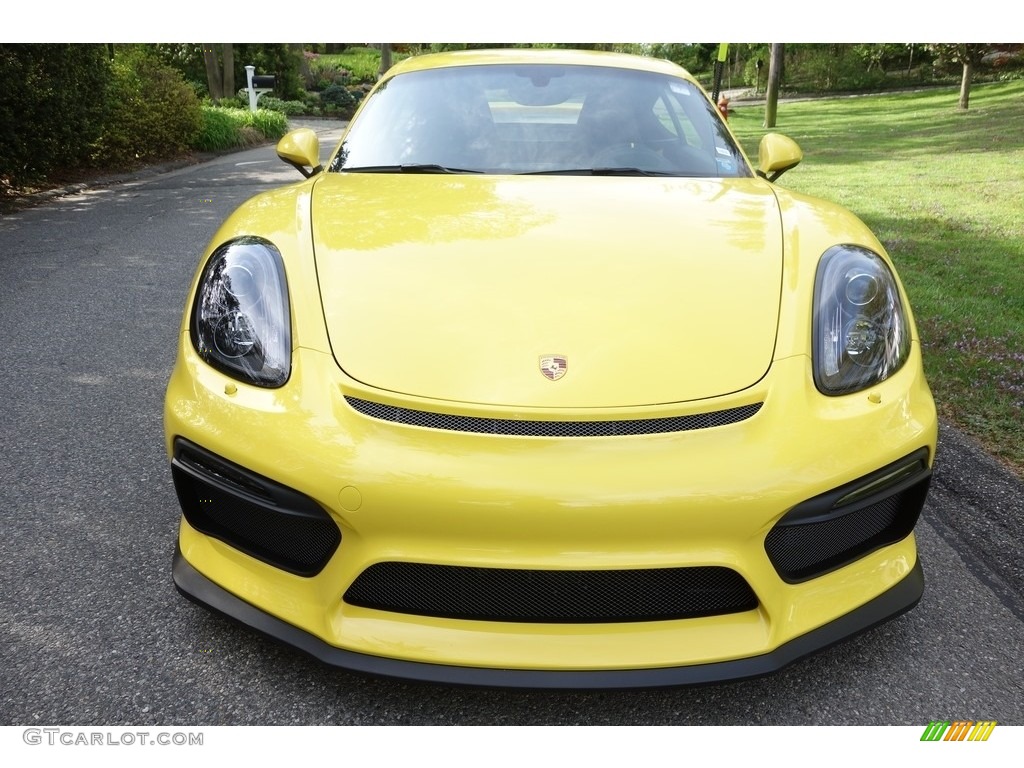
(777, 154)
(301, 149)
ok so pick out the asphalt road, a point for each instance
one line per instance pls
(92, 631)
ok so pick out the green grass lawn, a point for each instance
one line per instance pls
(944, 192)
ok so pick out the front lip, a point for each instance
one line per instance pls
(897, 600)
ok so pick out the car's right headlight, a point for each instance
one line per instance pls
(240, 320)
(861, 329)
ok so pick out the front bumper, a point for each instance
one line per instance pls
(897, 600)
(400, 493)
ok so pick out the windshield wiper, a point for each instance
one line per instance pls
(408, 168)
(617, 171)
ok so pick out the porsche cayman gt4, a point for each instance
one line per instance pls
(539, 382)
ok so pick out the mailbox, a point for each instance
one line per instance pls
(257, 85)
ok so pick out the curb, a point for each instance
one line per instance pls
(21, 202)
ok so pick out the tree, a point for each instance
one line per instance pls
(284, 60)
(228, 52)
(771, 101)
(969, 55)
(220, 69)
(299, 54)
(695, 57)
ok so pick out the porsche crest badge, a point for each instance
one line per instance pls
(554, 366)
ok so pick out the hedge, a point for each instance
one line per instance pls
(53, 106)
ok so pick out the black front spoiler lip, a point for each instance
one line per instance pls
(890, 604)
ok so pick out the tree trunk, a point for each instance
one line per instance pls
(304, 72)
(771, 102)
(965, 85)
(229, 69)
(213, 76)
(385, 59)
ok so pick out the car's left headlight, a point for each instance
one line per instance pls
(861, 329)
(240, 321)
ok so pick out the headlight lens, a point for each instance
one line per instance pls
(240, 321)
(861, 331)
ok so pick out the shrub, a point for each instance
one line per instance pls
(326, 74)
(52, 107)
(340, 99)
(219, 130)
(831, 67)
(284, 107)
(153, 113)
(273, 125)
(228, 127)
(312, 101)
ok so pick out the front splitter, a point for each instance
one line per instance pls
(890, 604)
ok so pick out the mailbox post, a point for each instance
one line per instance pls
(257, 85)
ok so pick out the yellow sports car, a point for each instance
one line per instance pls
(540, 383)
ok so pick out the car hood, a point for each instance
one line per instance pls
(464, 288)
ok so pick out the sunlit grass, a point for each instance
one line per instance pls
(228, 127)
(944, 192)
(363, 62)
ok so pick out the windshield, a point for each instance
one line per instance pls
(539, 118)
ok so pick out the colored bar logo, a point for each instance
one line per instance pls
(958, 730)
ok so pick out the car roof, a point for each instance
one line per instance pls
(538, 56)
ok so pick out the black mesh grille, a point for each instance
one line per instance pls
(252, 514)
(564, 597)
(806, 549)
(524, 428)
